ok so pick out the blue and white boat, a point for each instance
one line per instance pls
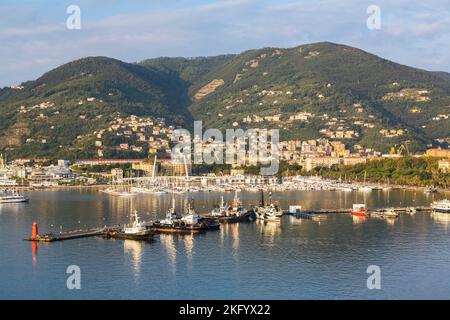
(442, 206)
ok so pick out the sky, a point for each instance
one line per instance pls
(34, 37)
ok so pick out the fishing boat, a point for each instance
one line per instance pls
(13, 197)
(138, 230)
(442, 206)
(269, 212)
(230, 213)
(359, 210)
(174, 223)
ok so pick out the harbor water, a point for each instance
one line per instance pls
(294, 259)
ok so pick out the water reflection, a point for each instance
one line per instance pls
(443, 218)
(133, 249)
(391, 221)
(169, 244)
(358, 220)
(34, 253)
(294, 221)
(270, 230)
(189, 248)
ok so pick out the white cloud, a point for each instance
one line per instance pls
(418, 35)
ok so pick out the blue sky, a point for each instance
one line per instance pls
(34, 37)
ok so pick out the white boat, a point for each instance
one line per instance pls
(365, 188)
(120, 193)
(137, 230)
(192, 218)
(442, 206)
(136, 227)
(390, 213)
(13, 197)
(220, 210)
(269, 213)
(125, 194)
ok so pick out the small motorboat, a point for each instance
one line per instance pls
(359, 210)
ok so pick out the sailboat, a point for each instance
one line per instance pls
(365, 188)
(121, 190)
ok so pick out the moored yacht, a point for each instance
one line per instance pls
(442, 206)
(13, 197)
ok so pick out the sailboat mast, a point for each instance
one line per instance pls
(154, 169)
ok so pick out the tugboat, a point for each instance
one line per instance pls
(230, 214)
(138, 230)
(359, 210)
(173, 223)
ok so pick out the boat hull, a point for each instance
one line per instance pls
(142, 236)
(247, 217)
(359, 214)
(15, 200)
(179, 229)
(438, 210)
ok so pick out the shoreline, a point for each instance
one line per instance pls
(99, 186)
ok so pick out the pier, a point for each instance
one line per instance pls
(84, 233)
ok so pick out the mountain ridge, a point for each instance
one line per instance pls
(345, 83)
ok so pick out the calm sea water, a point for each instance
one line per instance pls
(297, 259)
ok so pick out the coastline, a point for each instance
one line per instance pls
(99, 186)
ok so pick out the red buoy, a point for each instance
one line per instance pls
(34, 231)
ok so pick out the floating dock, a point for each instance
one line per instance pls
(308, 213)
